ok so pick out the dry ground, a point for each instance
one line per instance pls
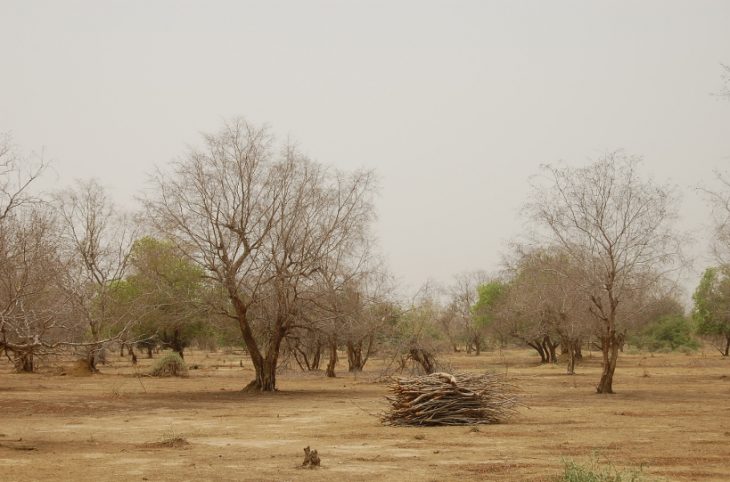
(671, 414)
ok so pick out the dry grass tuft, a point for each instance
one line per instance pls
(170, 365)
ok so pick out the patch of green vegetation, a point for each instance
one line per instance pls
(595, 471)
(668, 333)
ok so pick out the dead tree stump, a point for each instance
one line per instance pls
(311, 458)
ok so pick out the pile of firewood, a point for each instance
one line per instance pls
(444, 399)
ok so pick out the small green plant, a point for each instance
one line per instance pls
(595, 471)
(170, 365)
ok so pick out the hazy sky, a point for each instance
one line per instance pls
(455, 104)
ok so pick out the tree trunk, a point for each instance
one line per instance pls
(549, 349)
(24, 362)
(297, 352)
(317, 356)
(423, 358)
(727, 346)
(570, 345)
(538, 347)
(265, 367)
(610, 346)
(368, 351)
(354, 356)
(356, 359)
(91, 360)
(577, 345)
(265, 380)
(177, 343)
(333, 359)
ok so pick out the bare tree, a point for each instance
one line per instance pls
(719, 198)
(16, 178)
(415, 336)
(375, 310)
(96, 243)
(616, 226)
(32, 308)
(29, 308)
(260, 221)
(547, 304)
(463, 294)
(452, 326)
(521, 315)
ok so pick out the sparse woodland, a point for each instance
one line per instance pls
(500, 252)
(244, 241)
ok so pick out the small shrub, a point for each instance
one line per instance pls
(172, 439)
(170, 365)
(594, 471)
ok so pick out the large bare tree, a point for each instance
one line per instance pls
(615, 225)
(260, 219)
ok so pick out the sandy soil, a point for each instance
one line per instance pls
(671, 414)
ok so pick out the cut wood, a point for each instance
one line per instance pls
(445, 399)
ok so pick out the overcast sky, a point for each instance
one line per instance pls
(455, 104)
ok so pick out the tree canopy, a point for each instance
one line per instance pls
(712, 307)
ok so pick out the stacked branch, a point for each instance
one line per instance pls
(444, 399)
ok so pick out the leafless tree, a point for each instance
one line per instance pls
(32, 308)
(544, 305)
(346, 312)
(96, 241)
(260, 220)
(29, 308)
(452, 327)
(16, 177)
(463, 295)
(719, 198)
(415, 335)
(337, 308)
(376, 310)
(521, 316)
(616, 226)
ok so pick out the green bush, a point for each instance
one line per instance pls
(668, 333)
(170, 365)
(593, 471)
